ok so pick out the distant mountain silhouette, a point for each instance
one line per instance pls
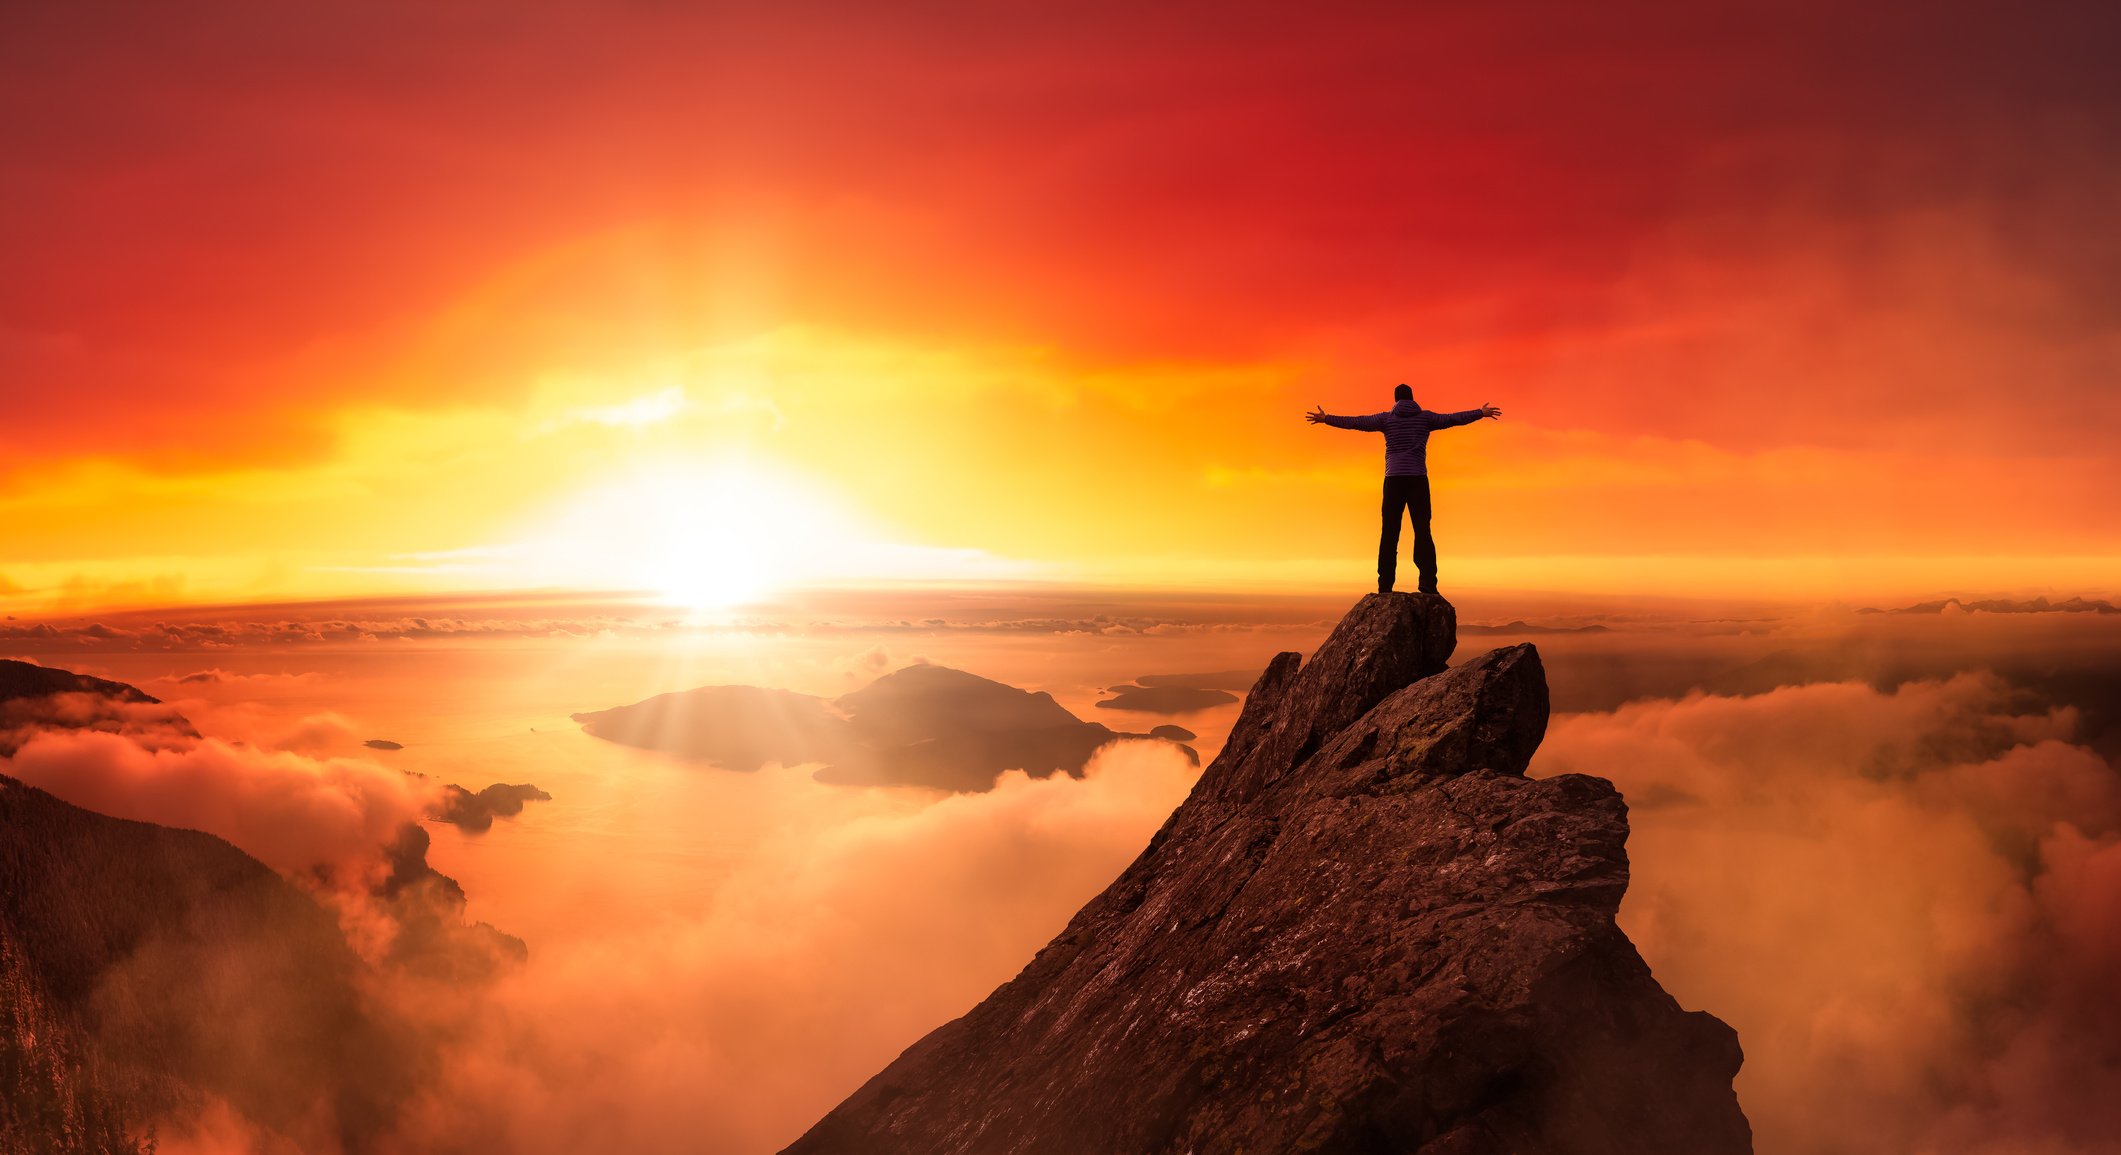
(29, 680)
(1166, 699)
(924, 725)
(1179, 693)
(1523, 629)
(476, 811)
(30, 693)
(1237, 680)
(2075, 605)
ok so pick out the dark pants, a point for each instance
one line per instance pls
(1409, 495)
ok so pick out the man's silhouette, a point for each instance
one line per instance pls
(1406, 427)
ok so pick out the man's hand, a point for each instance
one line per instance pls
(1487, 410)
(1316, 416)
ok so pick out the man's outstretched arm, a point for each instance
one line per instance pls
(1447, 420)
(1375, 422)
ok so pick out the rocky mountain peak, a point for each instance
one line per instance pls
(1364, 931)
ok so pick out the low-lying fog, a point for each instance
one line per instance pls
(1886, 848)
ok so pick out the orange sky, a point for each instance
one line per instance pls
(712, 299)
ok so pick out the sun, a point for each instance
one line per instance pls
(701, 538)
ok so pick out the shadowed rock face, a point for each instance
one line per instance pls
(165, 963)
(1364, 931)
(143, 967)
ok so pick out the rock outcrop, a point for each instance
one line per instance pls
(1364, 931)
(476, 810)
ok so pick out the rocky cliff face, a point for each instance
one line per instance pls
(141, 966)
(1364, 931)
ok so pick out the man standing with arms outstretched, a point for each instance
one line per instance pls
(1406, 427)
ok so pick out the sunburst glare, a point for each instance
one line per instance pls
(700, 537)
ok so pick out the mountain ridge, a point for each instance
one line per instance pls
(168, 962)
(146, 967)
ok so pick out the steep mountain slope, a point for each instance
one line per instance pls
(1364, 931)
(144, 969)
(173, 964)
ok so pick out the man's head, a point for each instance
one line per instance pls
(1402, 393)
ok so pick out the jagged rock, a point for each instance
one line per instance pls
(1364, 931)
